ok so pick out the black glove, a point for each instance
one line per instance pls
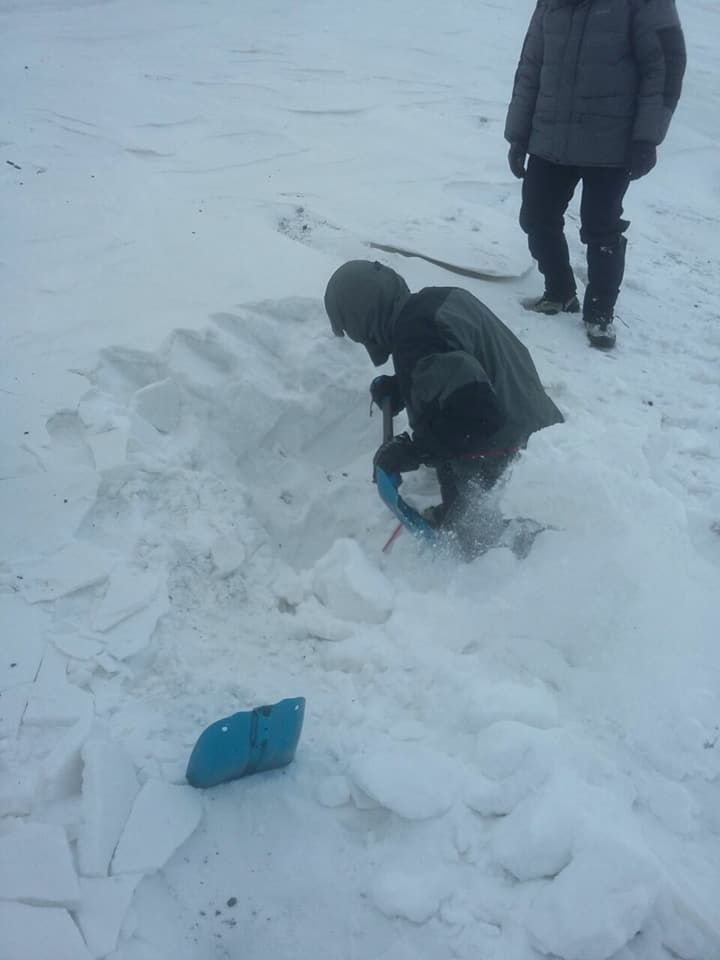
(516, 159)
(397, 455)
(643, 157)
(383, 387)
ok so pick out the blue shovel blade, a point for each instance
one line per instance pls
(387, 484)
(247, 742)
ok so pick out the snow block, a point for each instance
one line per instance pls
(109, 789)
(109, 448)
(79, 565)
(38, 511)
(13, 701)
(160, 404)
(414, 782)
(22, 642)
(250, 741)
(347, 583)
(103, 909)
(61, 707)
(60, 772)
(162, 818)
(36, 867)
(129, 592)
(39, 933)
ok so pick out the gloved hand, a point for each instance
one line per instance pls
(397, 455)
(516, 159)
(643, 157)
(385, 386)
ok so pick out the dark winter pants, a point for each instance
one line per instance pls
(546, 193)
(473, 519)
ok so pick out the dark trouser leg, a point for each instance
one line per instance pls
(472, 519)
(602, 229)
(546, 192)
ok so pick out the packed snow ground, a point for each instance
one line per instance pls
(501, 761)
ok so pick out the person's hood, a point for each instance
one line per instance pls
(363, 299)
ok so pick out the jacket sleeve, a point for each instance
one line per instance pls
(659, 47)
(527, 81)
(455, 405)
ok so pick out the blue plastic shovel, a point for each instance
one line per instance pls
(247, 742)
(388, 487)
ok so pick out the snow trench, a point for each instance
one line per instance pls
(504, 759)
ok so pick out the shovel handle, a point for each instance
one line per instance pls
(387, 416)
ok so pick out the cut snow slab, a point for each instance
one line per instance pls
(74, 567)
(36, 866)
(104, 905)
(39, 933)
(129, 592)
(22, 641)
(162, 818)
(60, 707)
(133, 634)
(160, 404)
(350, 586)
(41, 512)
(109, 789)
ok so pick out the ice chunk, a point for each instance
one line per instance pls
(162, 818)
(36, 866)
(350, 586)
(39, 933)
(109, 789)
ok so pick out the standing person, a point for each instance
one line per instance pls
(469, 386)
(595, 89)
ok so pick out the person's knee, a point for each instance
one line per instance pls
(605, 234)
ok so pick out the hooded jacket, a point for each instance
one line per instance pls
(469, 385)
(595, 75)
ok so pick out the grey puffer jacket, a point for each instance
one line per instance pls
(595, 75)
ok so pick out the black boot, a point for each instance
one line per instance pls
(606, 267)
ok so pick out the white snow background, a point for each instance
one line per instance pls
(501, 761)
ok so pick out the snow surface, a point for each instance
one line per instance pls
(506, 760)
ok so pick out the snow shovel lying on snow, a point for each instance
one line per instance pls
(247, 742)
(388, 485)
